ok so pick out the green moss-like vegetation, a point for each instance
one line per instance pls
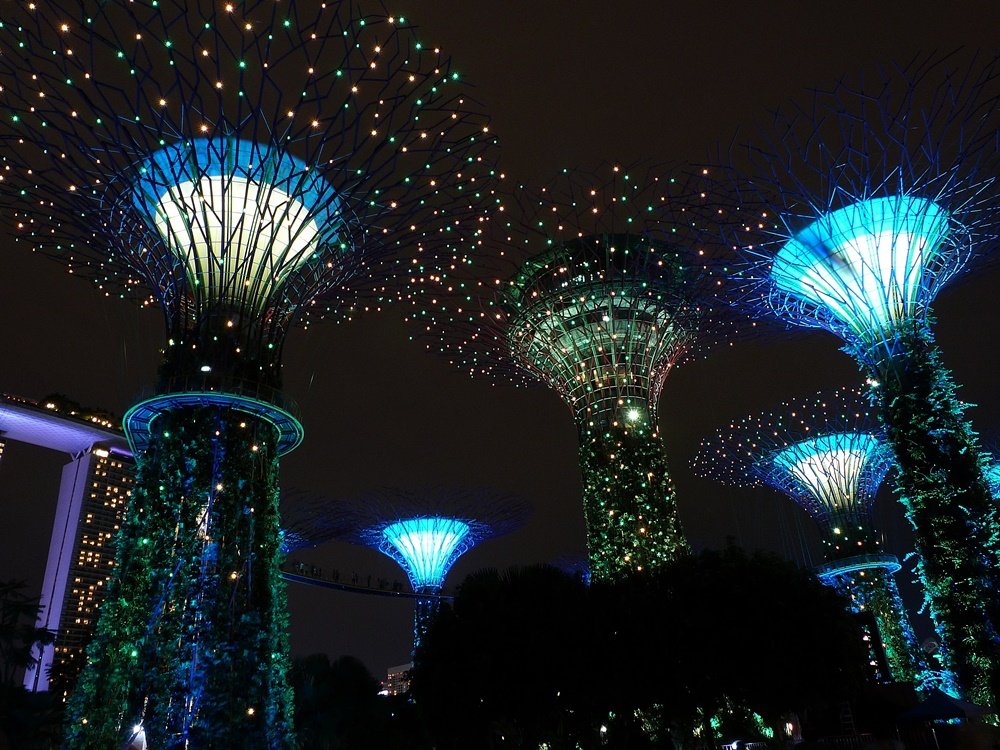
(191, 642)
(947, 500)
(629, 501)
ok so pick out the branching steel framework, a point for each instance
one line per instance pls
(857, 209)
(599, 290)
(244, 166)
(828, 455)
(426, 531)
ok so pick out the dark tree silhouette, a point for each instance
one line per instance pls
(337, 707)
(26, 720)
(535, 656)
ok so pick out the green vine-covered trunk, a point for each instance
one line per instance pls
(944, 491)
(629, 501)
(191, 643)
(874, 590)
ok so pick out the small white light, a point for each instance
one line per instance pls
(206, 368)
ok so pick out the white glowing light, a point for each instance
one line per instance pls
(233, 233)
(831, 467)
(240, 216)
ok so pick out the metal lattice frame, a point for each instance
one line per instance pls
(425, 531)
(826, 453)
(859, 205)
(306, 520)
(856, 210)
(238, 165)
(599, 288)
(601, 320)
(467, 516)
(244, 166)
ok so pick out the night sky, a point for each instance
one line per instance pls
(567, 83)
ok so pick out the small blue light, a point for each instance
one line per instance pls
(426, 548)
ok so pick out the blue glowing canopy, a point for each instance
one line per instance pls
(240, 216)
(426, 548)
(866, 267)
(832, 474)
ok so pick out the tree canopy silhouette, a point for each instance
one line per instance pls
(534, 655)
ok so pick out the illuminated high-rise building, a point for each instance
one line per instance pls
(92, 500)
(93, 490)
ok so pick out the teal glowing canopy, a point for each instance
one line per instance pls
(239, 216)
(426, 548)
(866, 267)
(834, 474)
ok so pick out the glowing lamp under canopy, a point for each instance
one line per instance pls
(834, 469)
(865, 266)
(426, 548)
(238, 215)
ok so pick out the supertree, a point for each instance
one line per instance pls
(860, 207)
(242, 166)
(426, 531)
(598, 292)
(829, 456)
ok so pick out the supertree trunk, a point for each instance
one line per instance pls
(197, 600)
(424, 613)
(629, 501)
(874, 590)
(947, 500)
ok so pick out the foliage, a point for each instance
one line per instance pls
(538, 657)
(18, 633)
(947, 500)
(874, 590)
(196, 606)
(337, 706)
(629, 501)
(26, 719)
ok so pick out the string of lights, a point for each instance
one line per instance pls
(599, 289)
(829, 456)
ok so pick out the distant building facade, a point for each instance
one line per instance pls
(93, 492)
(397, 680)
(92, 499)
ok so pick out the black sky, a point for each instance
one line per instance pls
(567, 83)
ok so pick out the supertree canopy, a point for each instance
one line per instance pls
(828, 455)
(599, 291)
(426, 531)
(244, 166)
(862, 204)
